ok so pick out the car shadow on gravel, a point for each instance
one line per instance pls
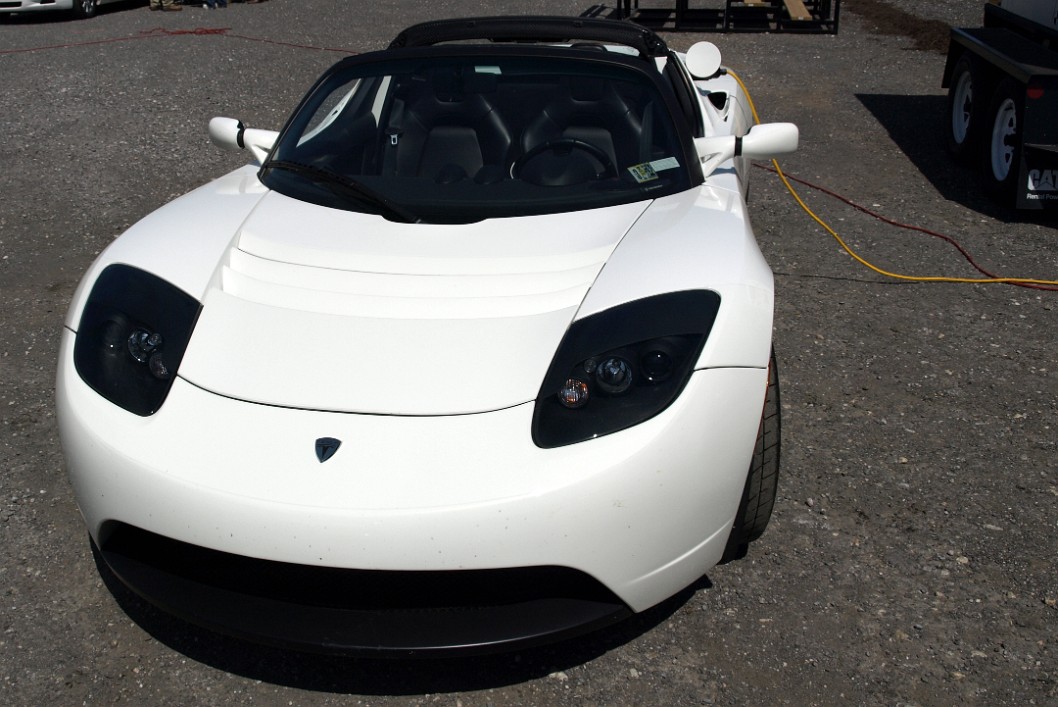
(916, 125)
(882, 18)
(382, 676)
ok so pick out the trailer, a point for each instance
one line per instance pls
(1002, 82)
(805, 16)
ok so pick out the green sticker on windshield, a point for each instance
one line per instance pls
(643, 172)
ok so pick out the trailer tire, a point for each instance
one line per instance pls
(1002, 159)
(966, 100)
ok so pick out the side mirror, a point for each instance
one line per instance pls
(762, 142)
(230, 134)
(226, 133)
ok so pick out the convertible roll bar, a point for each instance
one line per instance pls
(534, 29)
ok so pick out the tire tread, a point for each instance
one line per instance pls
(762, 481)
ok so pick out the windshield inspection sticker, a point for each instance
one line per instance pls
(643, 172)
(648, 171)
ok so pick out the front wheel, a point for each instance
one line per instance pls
(762, 482)
(84, 8)
(1002, 163)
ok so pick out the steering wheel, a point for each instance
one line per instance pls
(566, 145)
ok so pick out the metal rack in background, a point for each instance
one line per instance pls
(813, 16)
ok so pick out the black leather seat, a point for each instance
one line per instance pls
(591, 111)
(447, 130)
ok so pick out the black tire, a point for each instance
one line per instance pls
(966, 102)
(762, 481)
(84, 8)
(1001, 165)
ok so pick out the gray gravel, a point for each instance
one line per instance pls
(956, 13)
(912, 557)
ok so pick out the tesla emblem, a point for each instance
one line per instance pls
(326, 447)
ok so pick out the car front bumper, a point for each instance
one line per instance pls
(641, 513)
(34, 5)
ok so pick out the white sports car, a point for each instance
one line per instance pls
(476, 354)
(79, 8)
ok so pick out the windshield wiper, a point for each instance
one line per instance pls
(347, 185)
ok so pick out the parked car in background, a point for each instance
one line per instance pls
(78, 8)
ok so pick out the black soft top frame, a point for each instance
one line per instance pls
(533, 29)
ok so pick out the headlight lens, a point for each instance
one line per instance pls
(620, 367)
(132, 336)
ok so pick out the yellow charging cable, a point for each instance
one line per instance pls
(851, 252)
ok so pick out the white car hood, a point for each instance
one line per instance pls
(331, 310)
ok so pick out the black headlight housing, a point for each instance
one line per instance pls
(132, 336)
(620, 367)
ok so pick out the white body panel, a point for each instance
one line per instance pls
(487, 497)
(298, 287)
(423, 348)
(415, 313)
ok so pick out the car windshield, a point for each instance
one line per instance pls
(457, 138)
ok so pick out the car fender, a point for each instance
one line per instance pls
(182, 241)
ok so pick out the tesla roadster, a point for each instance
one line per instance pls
(474, 354)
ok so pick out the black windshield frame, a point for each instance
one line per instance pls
(464, 200)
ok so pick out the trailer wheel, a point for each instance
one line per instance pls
(1002, 162)
(965, 109)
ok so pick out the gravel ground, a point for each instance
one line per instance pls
(912, 556)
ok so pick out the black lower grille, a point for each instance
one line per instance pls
(352, 611)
